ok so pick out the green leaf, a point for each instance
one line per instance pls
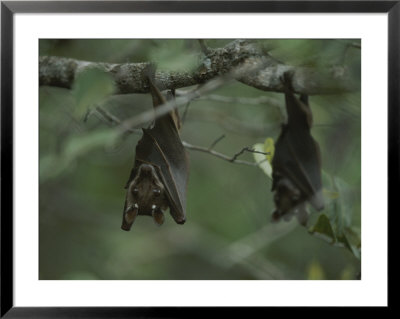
(323, 229)
(91, 87)
(354, 236)
(330, 194)
(265, 161)
(343, 239)
(269, 148)
(343, 205)
(262, 160)
(335, 225)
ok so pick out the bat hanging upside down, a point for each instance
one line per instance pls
(158, 180)
(296, 163)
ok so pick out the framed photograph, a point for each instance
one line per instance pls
(158, 156)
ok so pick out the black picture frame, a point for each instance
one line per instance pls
(9, 8)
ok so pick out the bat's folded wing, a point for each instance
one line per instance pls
(301, 163)
(161, 146)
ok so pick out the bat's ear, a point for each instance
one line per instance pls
(179, 217)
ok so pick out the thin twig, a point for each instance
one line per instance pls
(114, 120)
(245, 149)
(183, 118)
(232, 159)
(87, 115)
(216, 154)
(216, 141)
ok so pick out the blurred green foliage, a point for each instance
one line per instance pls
(90, 88)
(84, 166)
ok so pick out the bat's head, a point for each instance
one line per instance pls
(286, 195)
(288, 201)
(145, 196)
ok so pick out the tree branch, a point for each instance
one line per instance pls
(59, 71)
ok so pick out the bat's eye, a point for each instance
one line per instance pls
(135, 191)
(156, 192)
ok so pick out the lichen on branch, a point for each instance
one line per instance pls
(61, 72)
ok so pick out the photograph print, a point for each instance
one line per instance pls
(199, 159)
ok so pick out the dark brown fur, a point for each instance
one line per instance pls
(159, 177)
(296, 163)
